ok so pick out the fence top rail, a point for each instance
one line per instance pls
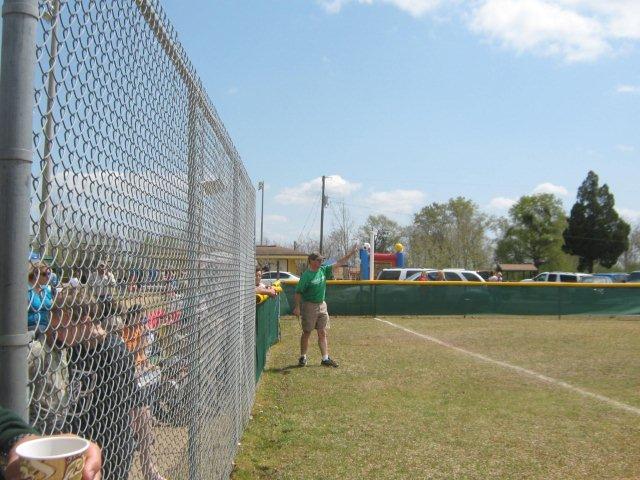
(433, 283)
(153, 15)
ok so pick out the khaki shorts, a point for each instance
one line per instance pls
(314, 315)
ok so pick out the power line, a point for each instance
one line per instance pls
(309, 215)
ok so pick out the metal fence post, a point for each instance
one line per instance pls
(19, 22)
(194, 229)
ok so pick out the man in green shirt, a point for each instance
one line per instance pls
(310, 305)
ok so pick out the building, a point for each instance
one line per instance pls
(281, 258)
(514, 272)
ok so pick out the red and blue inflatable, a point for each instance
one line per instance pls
(392, 260)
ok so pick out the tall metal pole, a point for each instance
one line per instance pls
(45, 201)
(193, 305)
(261, 187)
(372, 261)
(324, 201)
(19, 22)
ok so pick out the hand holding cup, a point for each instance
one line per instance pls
(60, 457)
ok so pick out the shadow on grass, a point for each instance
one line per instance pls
(283, 370)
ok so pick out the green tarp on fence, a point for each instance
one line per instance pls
(471, 298)
(267, 330)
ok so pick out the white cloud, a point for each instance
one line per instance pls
(501, 203)
(550, 188)
(396, 201)
(574, 30)
(415, 8)
(232, 90)
(630, 215)
(628, 89)
(308, 192)
(543, 27)
(276, 219)
(625, 148)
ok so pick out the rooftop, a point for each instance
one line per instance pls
(518, 267)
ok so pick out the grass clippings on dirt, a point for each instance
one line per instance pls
(401, 407)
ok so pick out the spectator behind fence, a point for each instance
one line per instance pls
(102, 373)
(147, 381)
(13, 432)
(261, 288)
(440, 276)
(109, 314)
(40, 296)
(496, 276)
(102, 282)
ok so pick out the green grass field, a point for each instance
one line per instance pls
(404, 407)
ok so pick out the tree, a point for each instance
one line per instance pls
(451, 234)
(533, 232)
(631, 258)
(595, 232)
(307, 244)
(343, 235)
(389, 232)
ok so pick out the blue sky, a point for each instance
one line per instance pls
(410, 102)
(407, 102)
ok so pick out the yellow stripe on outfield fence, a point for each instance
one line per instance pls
(434, 283)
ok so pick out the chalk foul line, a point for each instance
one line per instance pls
(521, 370)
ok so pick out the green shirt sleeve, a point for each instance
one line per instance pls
(11, 425)
(328, 272)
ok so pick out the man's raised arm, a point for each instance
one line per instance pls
(349, 254)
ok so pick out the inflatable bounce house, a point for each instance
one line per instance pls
(380, 260)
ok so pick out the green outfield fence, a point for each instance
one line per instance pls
(267, 330)
(381, 297)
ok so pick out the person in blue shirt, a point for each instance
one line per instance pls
(40, 296)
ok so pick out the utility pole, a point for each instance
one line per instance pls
(261, 187)
(322, 206)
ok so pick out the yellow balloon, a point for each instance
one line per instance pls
(399, 247)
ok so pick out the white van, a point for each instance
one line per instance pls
(452, 275)
(401, 273)
(559, 277)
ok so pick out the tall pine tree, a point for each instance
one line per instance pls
(595, 232)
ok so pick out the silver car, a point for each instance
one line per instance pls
(269, 277)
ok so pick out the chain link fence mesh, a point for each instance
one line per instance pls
(141, 297)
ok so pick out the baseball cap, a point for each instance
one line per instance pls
(315, 256)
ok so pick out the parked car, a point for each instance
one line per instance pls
(617, 277)
(634, 277)
(400, 273)
(269, 277)
(486, 274)
(464, 275)
(451, 275)
(430, 273)
(597, 279)
(567, 277)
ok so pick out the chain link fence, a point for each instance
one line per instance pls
(141, 303)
